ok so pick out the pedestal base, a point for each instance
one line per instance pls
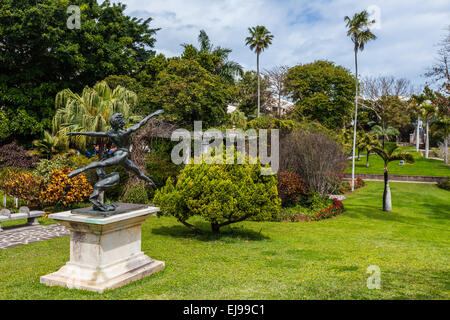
(105, 253)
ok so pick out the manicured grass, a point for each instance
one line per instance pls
(421, 167)
(276, 260)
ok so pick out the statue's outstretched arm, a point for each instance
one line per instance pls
(89, 133)
(143, 121)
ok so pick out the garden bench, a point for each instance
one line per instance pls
(24, 213)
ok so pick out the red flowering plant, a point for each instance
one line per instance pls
(337, 208)
(346, 186)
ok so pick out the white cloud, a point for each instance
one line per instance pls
(305, 31)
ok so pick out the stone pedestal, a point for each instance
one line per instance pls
(105, 252)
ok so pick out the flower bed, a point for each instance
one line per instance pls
(303, 214)
(346, 186)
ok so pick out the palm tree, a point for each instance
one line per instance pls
(49, 146)
(384, 133)
(389, 154)
(367, 142)
(428, 112)
(222, 67)
(259, 39)
(90, 111)
(359, 32)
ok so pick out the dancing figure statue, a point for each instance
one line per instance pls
(122, 140)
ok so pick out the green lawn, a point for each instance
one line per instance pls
(421, 167)
(276, 260)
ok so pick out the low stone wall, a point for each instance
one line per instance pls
(396, 177)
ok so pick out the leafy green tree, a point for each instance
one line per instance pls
(368, 142)
(188, 93)
(442, 122)
(321, 91)
(389, 154)
(40, 55)
(213, 59)
(359, 32)
(259, 39)
(90, 111)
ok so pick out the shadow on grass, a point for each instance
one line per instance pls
(228, 233)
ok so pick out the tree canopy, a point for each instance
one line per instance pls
(40, 55)
(322, 91)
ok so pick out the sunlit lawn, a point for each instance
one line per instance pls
(276, 260)
(421, 167)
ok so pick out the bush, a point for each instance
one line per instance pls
(316, 158)
(62, 190)
(290, 187)
(23, 185)
(346, 186)
(318, 209)
(45, 167)
(444, 184)
(13, 155)
(220, 193)
(136, 193)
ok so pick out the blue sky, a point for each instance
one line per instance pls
(304, 31)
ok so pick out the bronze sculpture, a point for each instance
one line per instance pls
(122, 139)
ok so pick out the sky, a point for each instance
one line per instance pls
(408, 31)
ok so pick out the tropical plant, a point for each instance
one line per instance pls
(49, 146)
(368, 142)
(388, 153)
(90, 111)
(384, 133)
(359, 32)
(259, 39)
(213, 59)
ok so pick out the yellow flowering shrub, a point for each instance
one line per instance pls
(23, 185)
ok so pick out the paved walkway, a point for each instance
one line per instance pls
(23, 235)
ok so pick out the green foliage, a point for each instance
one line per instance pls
(49, 146)
(322, 91)
(45, 167)
(188, 92)
(43, 56)
(247, 93)
(221, 194)
(135, 193)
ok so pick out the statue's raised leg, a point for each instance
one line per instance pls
(108, 181)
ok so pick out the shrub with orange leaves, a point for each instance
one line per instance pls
(23, 185)
(62, 190)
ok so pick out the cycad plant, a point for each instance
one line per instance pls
(388, 153)
(368, 142)
(49, 146)
(359, 32)
(90, 111)
(259, 39)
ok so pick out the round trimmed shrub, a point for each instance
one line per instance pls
(221, 194)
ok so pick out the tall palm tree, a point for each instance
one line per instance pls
(90, 111)
(388, 154)
(359, 32)
(259, 39)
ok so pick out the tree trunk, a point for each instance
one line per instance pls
(356, 118)
(367, 159)
(257, 73)
(215, 228)
(417, 134)
(427, 141)
(387, 204)
(446, 150)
